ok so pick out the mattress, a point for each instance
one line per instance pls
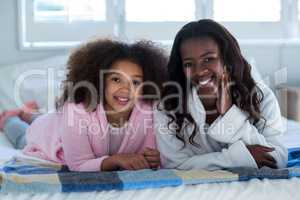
(253, 189)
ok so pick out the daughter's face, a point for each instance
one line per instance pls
(202, 64)
(123, 86)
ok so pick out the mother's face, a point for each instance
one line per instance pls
(202, 64)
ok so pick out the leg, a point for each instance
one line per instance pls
(15, 130)
(34, 116)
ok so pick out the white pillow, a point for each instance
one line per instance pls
(4, 141)
(7, 151)
(30, 81)
(255, 72)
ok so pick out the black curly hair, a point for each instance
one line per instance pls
(90, 58)
(245, 93)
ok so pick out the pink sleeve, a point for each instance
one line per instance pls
(78, 152)
(150, 140)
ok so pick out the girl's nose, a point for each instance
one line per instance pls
(127, 86)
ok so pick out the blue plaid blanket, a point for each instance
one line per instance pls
(23, 175)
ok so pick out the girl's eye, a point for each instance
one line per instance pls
(136, 83)
(116, 79)
(187, 65)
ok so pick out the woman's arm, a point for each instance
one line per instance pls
(234, 126)
(174, 156)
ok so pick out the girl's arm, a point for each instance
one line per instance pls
(78, 152)
(149, 148)
(174, 156)
(234, 126)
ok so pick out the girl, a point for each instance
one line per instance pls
(105, 118)
(217, 117)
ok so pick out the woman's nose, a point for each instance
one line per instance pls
(201, 70)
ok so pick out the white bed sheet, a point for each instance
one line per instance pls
(251, 190)
(254, 189)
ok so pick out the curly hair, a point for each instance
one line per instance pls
(89, 59)
(245, 93)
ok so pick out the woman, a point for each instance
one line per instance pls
(218, 117)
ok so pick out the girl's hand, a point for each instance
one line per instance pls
(224, 101)
(153, 157)
(261, 156)
(130, 161)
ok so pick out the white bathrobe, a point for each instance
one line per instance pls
(223, 144)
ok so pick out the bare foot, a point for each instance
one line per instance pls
(27, 110)
(7, 114)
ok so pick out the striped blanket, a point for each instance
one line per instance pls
(28, 175)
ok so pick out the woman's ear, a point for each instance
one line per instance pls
(227, 73)
(225, 69)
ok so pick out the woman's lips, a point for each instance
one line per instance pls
(206, 81)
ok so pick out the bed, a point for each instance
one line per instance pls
(252, 189)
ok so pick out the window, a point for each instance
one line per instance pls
(167, 10)
(156, 19)
(67, 10)
(251, 19)
(247, 11)
(298, 9)
(64, 23)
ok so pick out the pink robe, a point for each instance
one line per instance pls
(80, 139)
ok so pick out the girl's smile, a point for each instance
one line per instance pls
(122, 101)
(123, 86)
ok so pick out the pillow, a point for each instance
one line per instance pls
(7, 151)
(254, 71)
(4, 141)
(37, 80)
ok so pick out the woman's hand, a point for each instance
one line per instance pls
(153, 157)
(261, 156)
(224, 101)
(125, 161)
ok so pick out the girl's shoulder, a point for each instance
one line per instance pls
(144, 106)
(142, 111)
(75, 112)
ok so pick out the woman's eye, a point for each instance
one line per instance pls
(206, 60)
(187, 65)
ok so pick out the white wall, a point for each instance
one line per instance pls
(269, 57)
(9, 49)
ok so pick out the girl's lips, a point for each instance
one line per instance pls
(122, 100)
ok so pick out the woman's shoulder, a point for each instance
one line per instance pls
(161, 115)
(268, 98)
